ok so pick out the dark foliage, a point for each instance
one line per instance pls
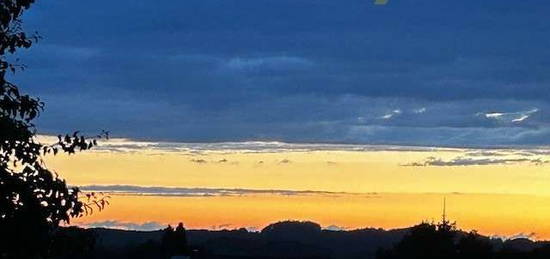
(427, 241)
(473, 245)
(174, 241)
(72, 242)
(356, 244)
(149, 249)
(292, 231)
(33, 199)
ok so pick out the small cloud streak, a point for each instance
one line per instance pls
(276, 63)
(530, 236)
(335, 228)
(199, 161)
(391, 114)
(196, 192)
(220, 227)
(285, 161)
(114, 224)
(466, 161)
(420, 110)
(122, 145)
(509, 117)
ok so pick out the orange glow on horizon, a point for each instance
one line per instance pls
(500, 199)
(503, 215)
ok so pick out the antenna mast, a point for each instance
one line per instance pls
(444, 209)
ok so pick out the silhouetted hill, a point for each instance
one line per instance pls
(288, 239)
(520, 244)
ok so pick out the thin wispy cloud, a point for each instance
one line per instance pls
(199, 161)
(335, 228)
(115, 224)
(285, 161)
(420, 110)
(392, 114)
(220, 226)
(509, 117)
(195, 192)
(267, 64)
(127, 145)
(465, 161)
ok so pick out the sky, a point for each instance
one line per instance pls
(291, 108)
(503, 192)
(430, 72)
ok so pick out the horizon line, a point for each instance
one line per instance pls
(321, 143)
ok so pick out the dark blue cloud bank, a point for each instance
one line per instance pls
(427, 72)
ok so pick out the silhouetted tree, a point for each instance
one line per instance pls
(475, 246)
(33, 199)
(148, 250)
(425, 241)
(541, 252)
(292, 231)
(174, 241)
(72, 243)
(444, 240)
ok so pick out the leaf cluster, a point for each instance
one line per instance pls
(33, 199)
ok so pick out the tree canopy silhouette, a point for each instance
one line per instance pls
(442, 240)
(174, 241)
(424, 241)
(33, 199)
(292, 230)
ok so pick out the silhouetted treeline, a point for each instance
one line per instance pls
(292, 239)
(81, 243)
(444, 240)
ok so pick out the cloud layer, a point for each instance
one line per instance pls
(431, 73)
(465, 161)
(114, 224)
(192, 192)
(536, 157)
(130, 146)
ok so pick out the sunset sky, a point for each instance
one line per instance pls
(250, 184)
(348, 114)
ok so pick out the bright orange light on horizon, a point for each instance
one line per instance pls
(503, 215)
(496, 198)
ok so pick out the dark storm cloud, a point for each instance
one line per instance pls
(424, 73)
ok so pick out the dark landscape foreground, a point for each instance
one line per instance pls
(295, 240)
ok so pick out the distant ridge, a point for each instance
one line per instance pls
(287, 239)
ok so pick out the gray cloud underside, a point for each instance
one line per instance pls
(466, 161)
(480, 157)
(128, 146)
(114, 224)
(196, 192)
(494, 153)
(198, 152)
(453, 73)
